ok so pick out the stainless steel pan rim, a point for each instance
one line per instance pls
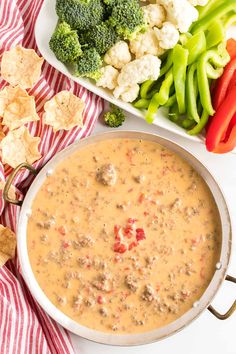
(129, 339)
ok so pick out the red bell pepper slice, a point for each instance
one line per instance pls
(232, 83)
(231, 47)
(223, 83)
(220, 123)
(229, 142)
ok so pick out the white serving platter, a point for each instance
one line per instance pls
(45, 25)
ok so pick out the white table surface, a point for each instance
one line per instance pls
(207, 335)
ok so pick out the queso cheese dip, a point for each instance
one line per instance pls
(124, 236)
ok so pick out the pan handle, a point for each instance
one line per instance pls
(232, 308)
(10, 180)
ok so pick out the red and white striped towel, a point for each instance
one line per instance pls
(24, 327)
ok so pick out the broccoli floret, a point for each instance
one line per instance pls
(102, 37)
(109, 2)
(127, 17)
(108, 8)
(115, 117)
(89, 64)
(80, 14)
(65, 43)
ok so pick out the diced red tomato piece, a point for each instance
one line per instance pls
(62, 230)
(132, 245)
(140, 234)
(130, 156)
(132, 221)
(128, 231)
(141, 198)
(116, 232)
(120, 247)
(195, 241)
(66, 244)
(123, 248)
(116, 246)
(127, 268)
(116, 229)
(100, 300)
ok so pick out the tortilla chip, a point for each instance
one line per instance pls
(64, 111)
(7, 244)
(9, 94)
(21, 66)
(19, 146)
(16, 107)
(11, 192)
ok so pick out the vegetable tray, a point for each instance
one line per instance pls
(44, 28)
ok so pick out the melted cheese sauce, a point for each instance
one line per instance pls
(124, 236)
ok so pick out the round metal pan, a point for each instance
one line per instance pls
(109, 338)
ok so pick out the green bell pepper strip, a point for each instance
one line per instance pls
(224, 57)
(217, 13)
(171, 101)
(203, 83)
(145, 88)
(192, 92)
(180, 62)
(213, 73)
(142, 103)
(204, 87)
(174, 114)
(196, 45)
(199, 107)
(149, 88)
(164, 91)
(187, 123)
(201, 125)
(210, 6)
(215, 34)
(168, 64)
(160, 97)
(152, 108)
(230, 20)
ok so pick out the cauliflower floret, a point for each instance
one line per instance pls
(198, 2)
(140, 70)
(145, 43)
(154, 14)
(118, 55)
(108, 78)
(181, 13)
(127, 93)
(167, 36)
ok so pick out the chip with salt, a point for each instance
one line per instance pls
(21, 66)
(16, 107)
(64, 111)
(7, 244)
(19, 146)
